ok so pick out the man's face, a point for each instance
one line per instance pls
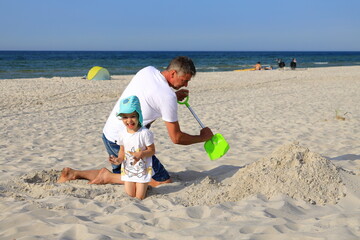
(180, 80)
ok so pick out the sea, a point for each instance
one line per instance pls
(48, 64)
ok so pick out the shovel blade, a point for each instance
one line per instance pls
(216, 147)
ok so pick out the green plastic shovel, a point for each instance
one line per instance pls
(217, 146)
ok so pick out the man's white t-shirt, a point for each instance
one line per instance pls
(141, 171)
(157, 100)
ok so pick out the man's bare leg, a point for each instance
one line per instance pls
(68, 174)
(105, 176)
(102, 176)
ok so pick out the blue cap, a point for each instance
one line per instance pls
(130, 105)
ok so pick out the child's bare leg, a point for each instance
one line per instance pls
(141, 189)
(104, 176)
(68, 174)
(130, 188)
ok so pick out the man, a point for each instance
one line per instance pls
(158, 100)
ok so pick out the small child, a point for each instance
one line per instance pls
(136, 149)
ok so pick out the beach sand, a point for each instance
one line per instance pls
(292, 171)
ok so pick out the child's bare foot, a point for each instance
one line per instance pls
(66, 175)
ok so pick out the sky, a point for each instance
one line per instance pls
(183, 25)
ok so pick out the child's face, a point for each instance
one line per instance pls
(130, 120)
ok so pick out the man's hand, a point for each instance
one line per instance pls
(206, 133)
(114, 160)
(182, 94)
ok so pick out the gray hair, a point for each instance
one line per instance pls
(183, 65)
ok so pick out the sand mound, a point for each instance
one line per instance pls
(292, 170)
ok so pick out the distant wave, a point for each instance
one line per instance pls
(204, 68)
(321, 63)
(211, 68)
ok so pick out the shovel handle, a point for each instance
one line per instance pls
(185, 101)
(192, 111)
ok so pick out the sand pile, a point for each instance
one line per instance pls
(292, 170)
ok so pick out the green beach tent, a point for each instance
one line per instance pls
(98, 73)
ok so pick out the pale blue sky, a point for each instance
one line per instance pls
(228, 25)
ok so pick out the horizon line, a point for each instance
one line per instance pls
(179, 50)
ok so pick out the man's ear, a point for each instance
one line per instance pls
(172, 73)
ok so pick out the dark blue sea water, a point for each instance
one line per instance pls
(31, 64)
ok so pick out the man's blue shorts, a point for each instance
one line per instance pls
(160, 172)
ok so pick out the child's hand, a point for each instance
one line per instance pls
(137, 155)
(114, 160)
